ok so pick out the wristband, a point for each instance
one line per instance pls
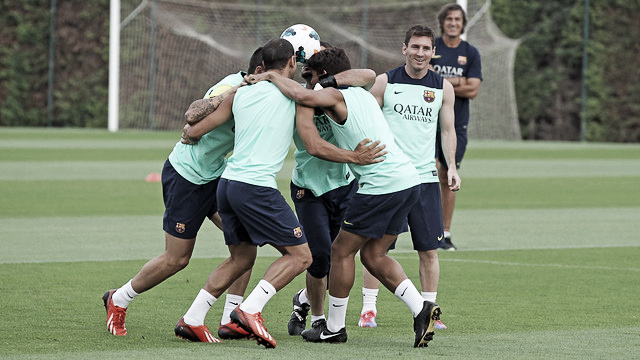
(328, 81)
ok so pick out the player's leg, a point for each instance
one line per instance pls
(268, 219)
(191, 325)
(314, 217)
(186, 207)
(341, 278)
(425, 223)
(448, 204)
(370, 290)
(235, 295)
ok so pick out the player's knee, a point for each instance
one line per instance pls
(177, 263)
(319, 269)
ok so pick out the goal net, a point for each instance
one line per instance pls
(172, 51)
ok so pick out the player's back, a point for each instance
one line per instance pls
(365, 120)
(264, 122)
(206, 160)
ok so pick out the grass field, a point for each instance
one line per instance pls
(548, 267)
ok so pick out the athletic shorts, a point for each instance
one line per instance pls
(186, 204)
(257, 214)
(320, 217)
(425, 219)
(376, 215)
(461, 147)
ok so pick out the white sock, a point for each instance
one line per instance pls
(303, 297)
(337, 313)
(369, 299)
(124, 296)
(199, 308)
(258, 298)
(447, 234)
(429, 296)
(314, 318)
(408, 293)
(232, 302)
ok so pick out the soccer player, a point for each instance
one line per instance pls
(253, 211)
(377, 212)
(321, 191)
(189, 180)
(459, 62)
(415, 100)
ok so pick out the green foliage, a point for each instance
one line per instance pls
(548, 69)
(81, 57)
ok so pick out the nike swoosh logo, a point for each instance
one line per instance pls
(404, 291)
(233, 303)
(265, 291)
(398, 92)
(347, 223)
(334, 305)
(325, 337)
(439, 237)
(437, 56)
(210, 304)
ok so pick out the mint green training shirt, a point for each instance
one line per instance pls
(264, 120)
(365, 120)
(206, 160)
(319, 176)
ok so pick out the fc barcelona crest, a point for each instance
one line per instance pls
(429, 96)
(180, 227)
(300, 194)
(462, 60)
(297, 232)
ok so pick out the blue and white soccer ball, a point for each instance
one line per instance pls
(304, 39)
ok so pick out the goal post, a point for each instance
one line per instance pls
(114, 65)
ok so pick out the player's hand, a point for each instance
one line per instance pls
(370, 154)
(454, 180)
(254, 78)
(186, 139)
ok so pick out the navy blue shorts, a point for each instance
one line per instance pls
(320, 218)
(376, 215)
(257, 214)
(461, 147)
(425, 219)
(186, 204)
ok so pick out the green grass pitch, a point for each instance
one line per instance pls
(548, 267)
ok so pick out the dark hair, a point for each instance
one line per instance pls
(332, 60)
(446, 10)
(256, 60)
(325, 44)
(419, 30)
(276, 53)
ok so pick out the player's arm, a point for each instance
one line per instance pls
(203, 107)
(377, 90)
(365, 153)
(447, 121)
(293, 90)
(465, 87)
(364, 78)
(192, 133)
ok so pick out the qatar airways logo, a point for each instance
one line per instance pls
(414, 112)
(447, 71)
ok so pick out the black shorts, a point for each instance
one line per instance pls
(376, 215)
(186, 204)
(257, 214)
(425, 219)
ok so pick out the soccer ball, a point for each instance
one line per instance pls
(304, 39)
